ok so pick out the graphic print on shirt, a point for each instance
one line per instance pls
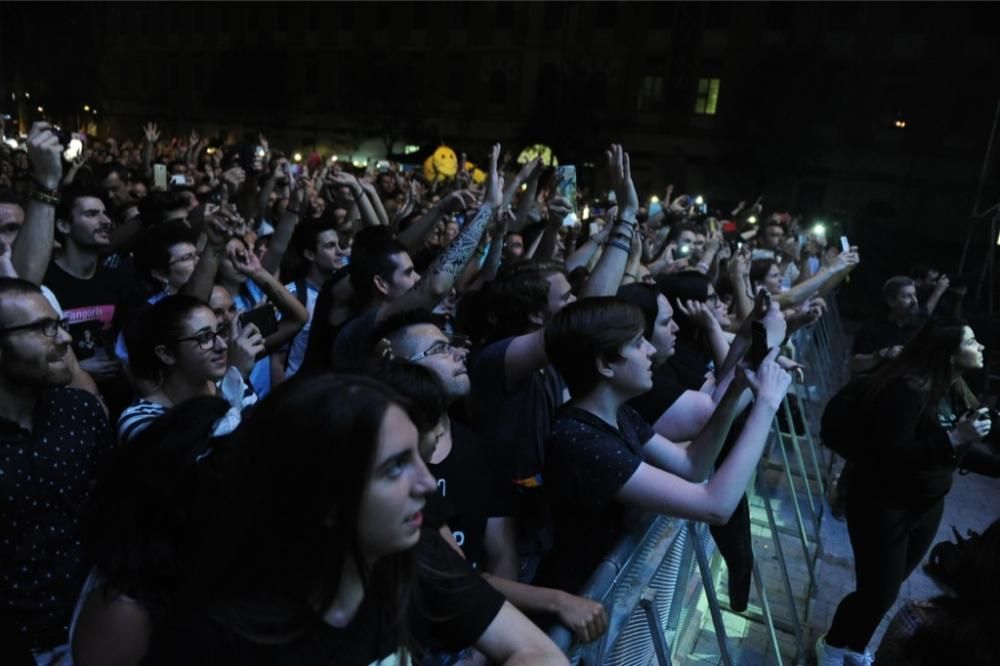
(91, 329)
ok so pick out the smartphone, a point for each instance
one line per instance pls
(160, 176)
(73, 149)
(178, 179)
(593, 229)
(758, 344)
(844, 245)
(264, 317)
(566, 183)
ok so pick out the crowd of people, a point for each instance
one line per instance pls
(266, 411)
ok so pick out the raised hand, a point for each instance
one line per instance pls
(458, 201)
(151, 132)
(769, 383)
(494, 181)
(559, 208)
(244, 346)
(700, 314)
(244, 261)
(45, 155)
(620, 172)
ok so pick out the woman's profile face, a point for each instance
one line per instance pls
(202, 355)
(772, 280)
(390, 515)
(969, 355)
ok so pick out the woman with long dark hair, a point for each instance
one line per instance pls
(922, 419)
(314, 552)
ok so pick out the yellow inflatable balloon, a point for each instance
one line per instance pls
(441, 165)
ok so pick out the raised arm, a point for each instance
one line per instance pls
(33, 245)
(667, 492)
(441, 275)
(284, 230)
(825, 278)
(293, 314)
(610, 268)
(343, 179)
(413, 236)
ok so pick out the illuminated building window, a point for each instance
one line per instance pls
(708, 97)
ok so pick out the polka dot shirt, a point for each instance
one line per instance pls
(45, 479)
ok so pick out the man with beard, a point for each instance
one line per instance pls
(94, 296)
(883, 338)
(51, 441)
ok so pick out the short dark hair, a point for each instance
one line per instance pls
(374, 260)
(520, 290)
(153, 247)
(894, 285)
(307, 232)
(677, 229)
(586, 331)
(64, 210)
(11, 288)
(397, 322)
(153, 207)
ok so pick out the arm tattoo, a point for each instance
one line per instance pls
(453, 260)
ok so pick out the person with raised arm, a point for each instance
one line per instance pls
(603, 461)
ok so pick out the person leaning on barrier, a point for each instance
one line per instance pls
(473, 476)
(604, 460)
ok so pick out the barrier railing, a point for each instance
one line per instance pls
(653, 581)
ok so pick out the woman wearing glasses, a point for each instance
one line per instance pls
(179, 346)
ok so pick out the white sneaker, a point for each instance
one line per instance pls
(858, 658)
(829, 656)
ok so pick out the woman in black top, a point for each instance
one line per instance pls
(922, 423)
(314, 552)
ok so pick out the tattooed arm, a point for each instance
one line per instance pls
(441, 275)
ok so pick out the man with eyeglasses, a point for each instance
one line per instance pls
(474, 476)
(52, 439)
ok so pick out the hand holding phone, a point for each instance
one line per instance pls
(845, 246)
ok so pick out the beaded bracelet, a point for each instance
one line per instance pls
(45, 198)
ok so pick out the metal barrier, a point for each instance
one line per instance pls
(648, 582)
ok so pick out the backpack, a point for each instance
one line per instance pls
(842, 426)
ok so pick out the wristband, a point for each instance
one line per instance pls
(620, 245)
(703, 265)
(45, 196)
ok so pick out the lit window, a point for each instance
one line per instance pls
(708, 97)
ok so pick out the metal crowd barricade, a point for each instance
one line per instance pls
(648, 583)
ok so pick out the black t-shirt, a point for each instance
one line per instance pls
(97, 308)
(517, 418)
(588, 463)
(353, 344)
(453, 606)
(689, 365)
(881, 333)
(667, 388)
(474, 483)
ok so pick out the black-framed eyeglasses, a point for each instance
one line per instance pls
(441, 347)
(205, 339)
(48, 327)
